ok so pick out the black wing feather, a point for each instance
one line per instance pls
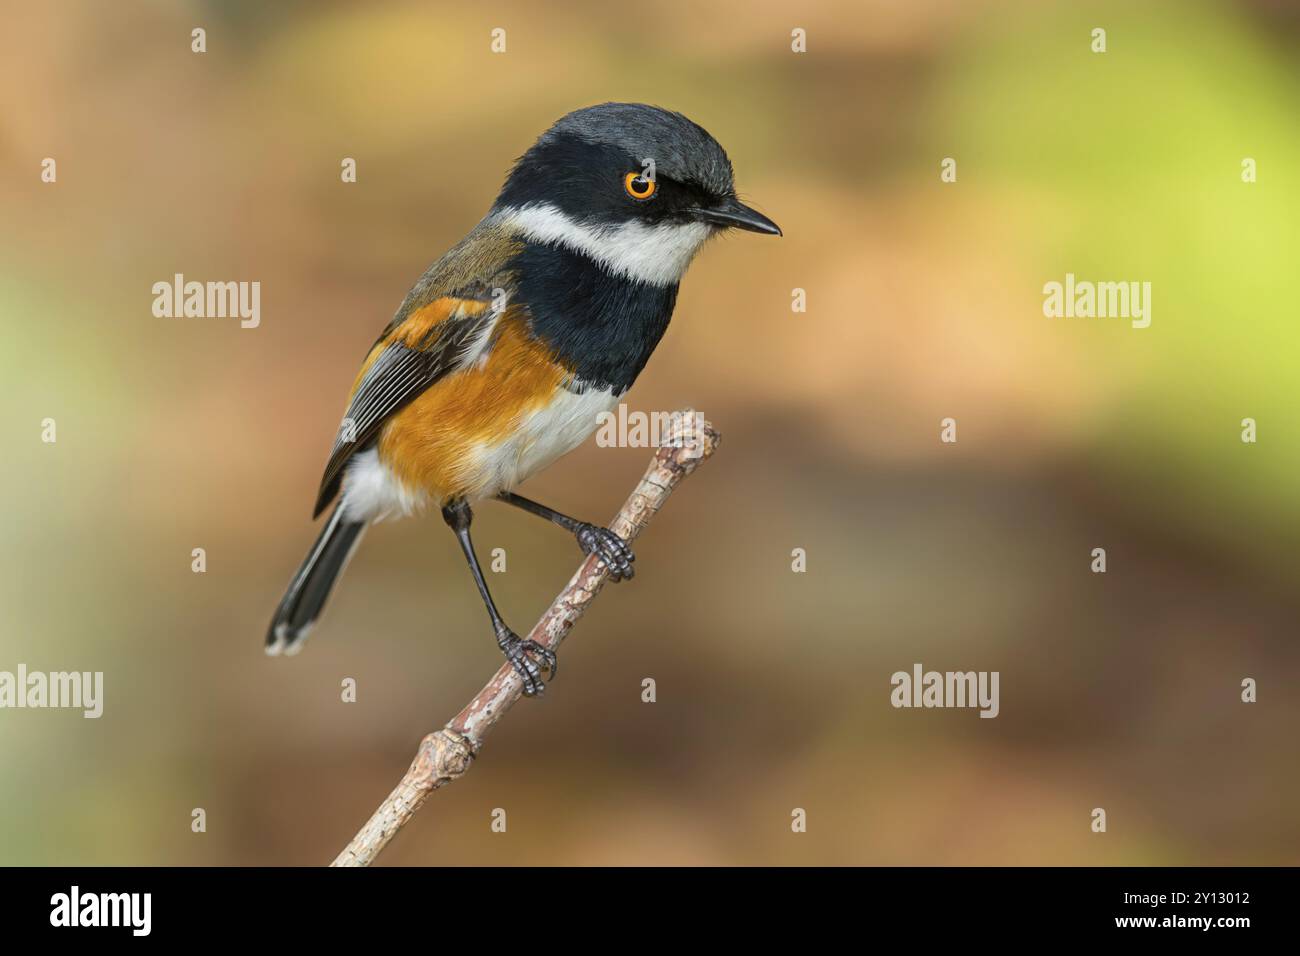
(397, 376)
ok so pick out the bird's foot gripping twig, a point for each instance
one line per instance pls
(609, 547)
(446, 754)
(520, 654)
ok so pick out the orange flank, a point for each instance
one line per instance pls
(436, 443)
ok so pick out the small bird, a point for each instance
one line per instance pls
(504, 354)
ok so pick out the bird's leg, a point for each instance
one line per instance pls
(458, 516)
(593, 539)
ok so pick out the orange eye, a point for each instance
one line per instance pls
(638, 187)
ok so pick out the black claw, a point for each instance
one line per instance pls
(519, 653)
(610, 548)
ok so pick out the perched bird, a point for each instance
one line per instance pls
(505, 352)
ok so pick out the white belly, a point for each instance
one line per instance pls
(543, 436)
(372, 492)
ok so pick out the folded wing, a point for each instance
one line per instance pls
(416, 350)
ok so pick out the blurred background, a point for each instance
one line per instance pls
(924, 301)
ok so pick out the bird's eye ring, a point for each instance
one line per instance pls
(639, 187)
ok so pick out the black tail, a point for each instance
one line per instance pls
(311, 586)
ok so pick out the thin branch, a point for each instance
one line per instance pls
(446, 754)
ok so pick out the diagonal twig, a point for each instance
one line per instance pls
(446, 754)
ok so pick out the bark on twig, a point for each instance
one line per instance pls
(446, 754)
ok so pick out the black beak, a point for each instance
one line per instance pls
(732, 213)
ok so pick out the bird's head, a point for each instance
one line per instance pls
(637, 188)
